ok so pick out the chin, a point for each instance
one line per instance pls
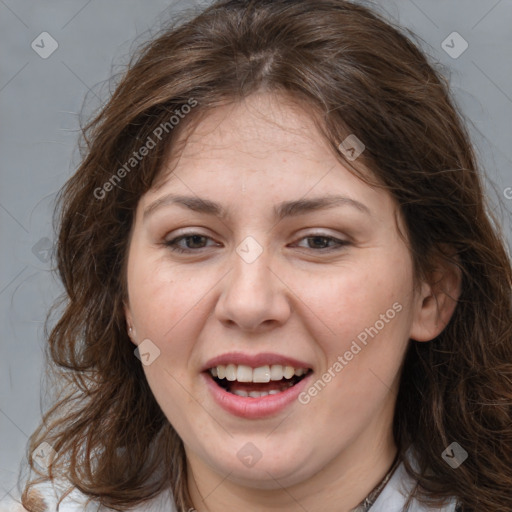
(281, 469)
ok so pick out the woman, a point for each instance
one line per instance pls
(340, 337)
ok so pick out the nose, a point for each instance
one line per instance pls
(254, 296)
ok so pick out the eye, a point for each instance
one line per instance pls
(194, 242)
(319, 242)
(195, 238)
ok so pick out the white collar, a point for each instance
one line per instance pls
(392, 498)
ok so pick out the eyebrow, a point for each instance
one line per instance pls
(281, 210)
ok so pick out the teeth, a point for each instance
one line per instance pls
(261, 374)
(244, 373)
(276, 372)
(289, 372)
(257, 394)
(231, 372)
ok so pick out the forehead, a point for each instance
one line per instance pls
(257, 162)
(257, 126)
(262, 133)
(266, 146)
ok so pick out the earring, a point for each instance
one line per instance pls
(130, 330)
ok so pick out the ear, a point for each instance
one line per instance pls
(436, 301)
(130, 328)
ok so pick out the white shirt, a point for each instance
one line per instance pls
(391, 499)
(395, 494)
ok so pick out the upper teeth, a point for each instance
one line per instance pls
(243, 373)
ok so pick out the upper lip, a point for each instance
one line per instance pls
(254, 361)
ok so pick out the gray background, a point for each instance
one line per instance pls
(39, 104)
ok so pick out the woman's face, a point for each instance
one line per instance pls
(305, 304)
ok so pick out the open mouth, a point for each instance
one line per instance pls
(242, 380)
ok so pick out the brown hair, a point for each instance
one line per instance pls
(363, 76)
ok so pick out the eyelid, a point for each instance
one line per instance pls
(171, 244)
(340, 242)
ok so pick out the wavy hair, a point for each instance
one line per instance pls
(357, 74)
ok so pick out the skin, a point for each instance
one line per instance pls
(297, 298)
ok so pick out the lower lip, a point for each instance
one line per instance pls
(254, 408)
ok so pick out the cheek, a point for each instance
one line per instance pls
(162, 296)
(164, 302)
(361, 325)
(168, 306)
(351, 300)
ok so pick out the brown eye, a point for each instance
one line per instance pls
(193, 241)
(320, 242)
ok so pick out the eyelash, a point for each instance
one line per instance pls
(172, 244)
